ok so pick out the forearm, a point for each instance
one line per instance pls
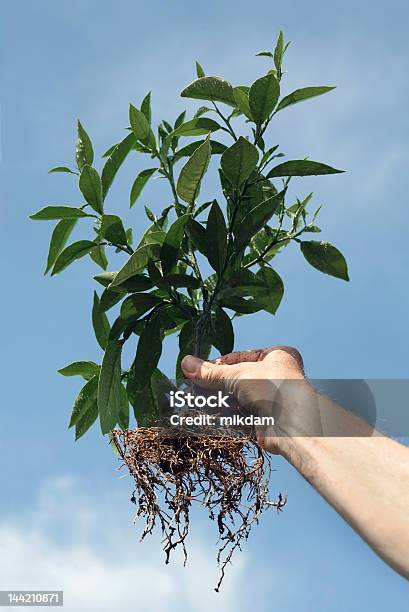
(366, 480)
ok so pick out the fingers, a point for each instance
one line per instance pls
(207, 373)
(251, 355)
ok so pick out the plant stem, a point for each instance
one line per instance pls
(226, 121)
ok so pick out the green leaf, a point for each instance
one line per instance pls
(199, 71)
(223, 337)
(278, 52)
(148, 353)
(325, 257)
(265, 54)
(179, 280)
(91, 187)
(191, 175)
(256, 218)
(217, 148)
(59, 238)
(113, 230)
(240, 305)
(61, 169)
(270, 294)
(105, 278)
(137, 262)
(302, 167)
(216, 238)
(100, 323)
(50, 213)
(239, 161)
(115, 161)
(110, 298)
(71, 253)
(141, 127)
(302, 94)
(98, 256)
(196, 127)
(140, 183)
(211, 88)
(109, 387)
(169, 253)
(186, 340)
(242, 101)
(86, 369)
(263, 97)
(123, 417)
(146, 107)
(138, 304)
(86, 420)
(84, 152)
(197, 234)
(85, 399)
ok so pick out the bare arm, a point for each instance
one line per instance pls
(362, 474)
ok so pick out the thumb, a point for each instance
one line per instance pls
(208, 374)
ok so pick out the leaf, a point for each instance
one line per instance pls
(141, 127)
(199, 71)
(216, 238)
(278, 52)
(240, 305)
(325, 257)
(169, 253)
(302, 167)
(186, 341)
(179, 280)
(197, 234)
(263, 97)
(115, 161)
(270, 294)
(211, 88)
(113, 230)
(140, 183)
(61, 169)
(302, 94)
(86, 369)
(148, 353)
(123, 417)
(196, 127)
(138, 304)
(100, 323)
(110, 298)
(242, 101)
(86, 420)
(191, 175)
(84, 152)
(146, 107)
(76, 250)
(84, 400)
(223, 337)
(137, 262)
(265, 54)
(59, 238)
(239, 161)
(50, 213)
(109, 387)
(98, 256)
(256, 218)
(217, 148)
(91, 188)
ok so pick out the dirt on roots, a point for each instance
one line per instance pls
(228, 476)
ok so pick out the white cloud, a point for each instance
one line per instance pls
(68, 541)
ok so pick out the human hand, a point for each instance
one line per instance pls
(262, 382)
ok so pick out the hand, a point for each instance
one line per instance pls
(260, 381)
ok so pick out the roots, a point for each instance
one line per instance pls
(228, 476)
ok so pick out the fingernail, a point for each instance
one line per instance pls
(190, 364)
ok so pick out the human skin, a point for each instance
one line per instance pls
(363, 474)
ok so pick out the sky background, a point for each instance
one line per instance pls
(65, 517)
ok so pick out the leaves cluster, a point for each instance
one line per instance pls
(199, 264)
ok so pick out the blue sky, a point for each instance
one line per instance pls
(65, 521)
